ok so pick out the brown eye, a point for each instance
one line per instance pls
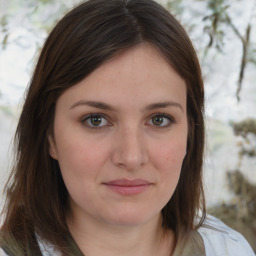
(95, 121)
(161, 120)
(157, 120)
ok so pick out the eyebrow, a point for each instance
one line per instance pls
(164, 105)
(94, 104)
(104, 106)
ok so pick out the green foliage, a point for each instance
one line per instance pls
(252, 55)
(217, 17)
(175, 6)
(41, 15)
(3, 23)
(7, 110)
(45, 1)
(244, 127)
(34, 15)
(217, 24)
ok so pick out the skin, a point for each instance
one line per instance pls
(138, 131)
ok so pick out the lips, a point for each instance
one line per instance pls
(128, 187)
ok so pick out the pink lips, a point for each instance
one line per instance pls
(128, 187)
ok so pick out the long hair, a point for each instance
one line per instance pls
(85, 38)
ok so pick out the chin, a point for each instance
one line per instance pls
(132, 218)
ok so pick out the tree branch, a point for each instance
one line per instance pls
(245, 43)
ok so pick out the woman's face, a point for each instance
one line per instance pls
(120, 137)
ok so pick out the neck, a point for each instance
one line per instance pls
(94, 238)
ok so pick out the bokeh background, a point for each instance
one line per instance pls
(224, 35)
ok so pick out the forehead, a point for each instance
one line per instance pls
(138, 75)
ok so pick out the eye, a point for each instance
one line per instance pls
(95, 121)
(161, 120)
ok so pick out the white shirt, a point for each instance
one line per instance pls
(219, 240)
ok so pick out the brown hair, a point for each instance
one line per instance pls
(86, 37)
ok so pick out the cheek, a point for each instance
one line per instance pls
(81, 158)
(170, 154)
(168, 161)
(80, 166)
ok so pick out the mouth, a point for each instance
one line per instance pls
(128, 187)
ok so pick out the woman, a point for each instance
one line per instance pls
(110, 142)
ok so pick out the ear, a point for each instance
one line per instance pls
(52, 147)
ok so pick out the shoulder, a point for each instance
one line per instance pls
(220, 240)
(46, 248)
(2, 253)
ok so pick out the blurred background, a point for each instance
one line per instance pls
(224, 35)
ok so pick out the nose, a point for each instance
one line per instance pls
(130, 150)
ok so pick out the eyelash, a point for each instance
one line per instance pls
(87, 118)
(171, 120)
(97, 115)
